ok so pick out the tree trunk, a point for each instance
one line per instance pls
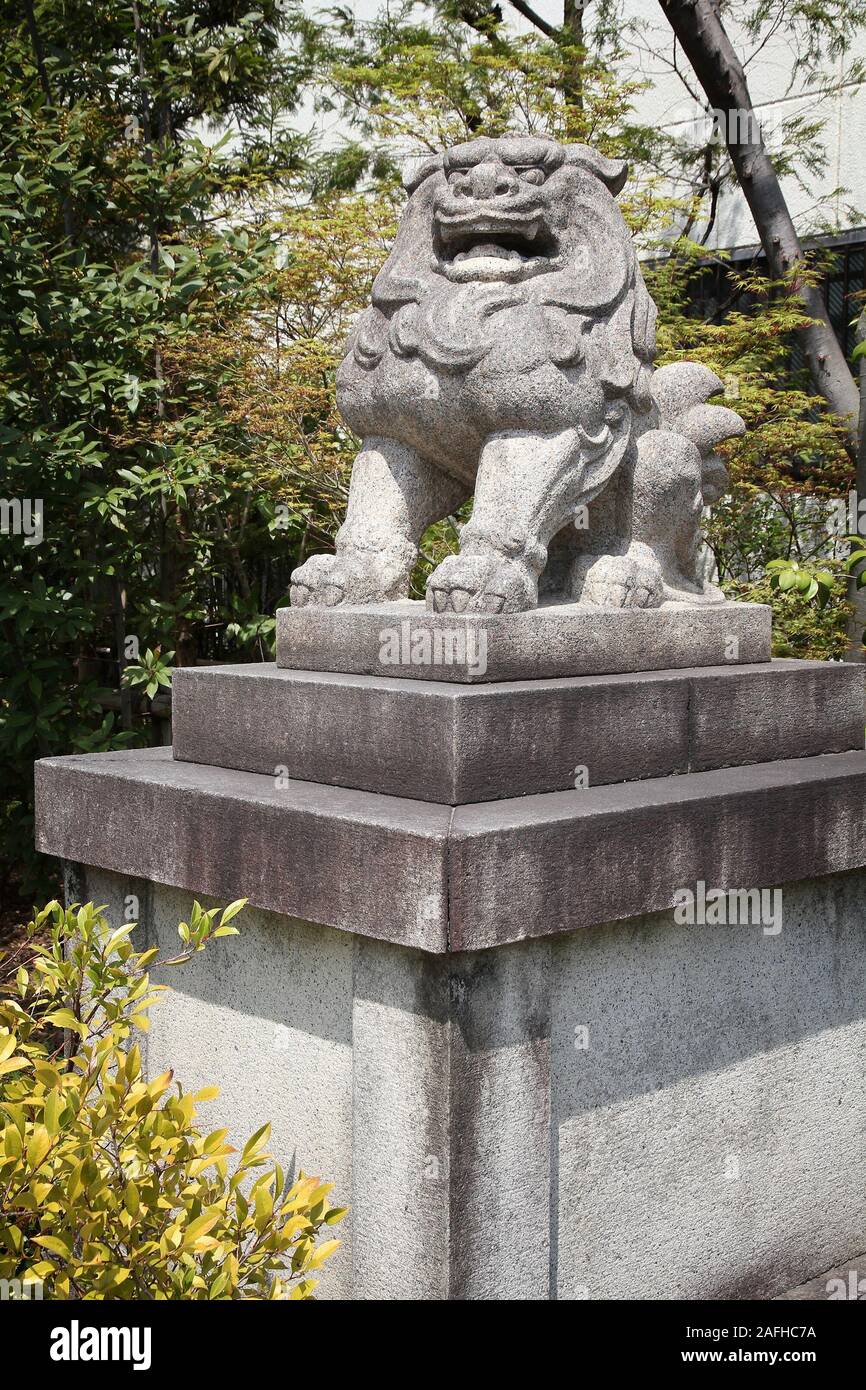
(699, 29)
(572, 23)
(857, 597)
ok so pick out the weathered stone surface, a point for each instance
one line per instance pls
(427, 876)
(635, 1111)
(538, 864)
(789, 709)
(508, 353)
(500, 1123)
(393, 736)
(709, 1120)
(370, 864)
(401, 1098)
(452, 743)
(403, 639)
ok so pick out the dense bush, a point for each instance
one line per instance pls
(108, 1186)
(124, 237)
(802, 628)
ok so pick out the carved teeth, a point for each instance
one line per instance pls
(489, 248)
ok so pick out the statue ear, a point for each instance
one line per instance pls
(612, 172)
(417, 170)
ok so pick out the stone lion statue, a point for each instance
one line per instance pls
(508, 353)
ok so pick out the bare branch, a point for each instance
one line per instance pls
(529, 13)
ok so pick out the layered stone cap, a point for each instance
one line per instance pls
(442, 879)
(405, 640)
(455, 743)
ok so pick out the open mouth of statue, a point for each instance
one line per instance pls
(492, 249)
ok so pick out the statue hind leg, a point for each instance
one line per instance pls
(654, 555)
(528, 487)
(394, 496)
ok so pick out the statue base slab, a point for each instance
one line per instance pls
(440, 741)
(442, 878)
(407, 640)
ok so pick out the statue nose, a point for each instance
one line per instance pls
(493, 181)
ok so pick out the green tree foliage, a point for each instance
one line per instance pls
(126, 234)
(108, 1186)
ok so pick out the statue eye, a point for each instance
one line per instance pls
(532, 175)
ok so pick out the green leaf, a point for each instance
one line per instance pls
(54, 1107)
(200, 1227)
(54, 1244)
(14, 1064)
(65, 1018)
(264, 1207)
(255, 1143)
(232, 910)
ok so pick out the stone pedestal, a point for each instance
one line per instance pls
(463, 991)
(406, 639)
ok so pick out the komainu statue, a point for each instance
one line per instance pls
(508, 353)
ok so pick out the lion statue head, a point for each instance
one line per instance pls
(512, 291)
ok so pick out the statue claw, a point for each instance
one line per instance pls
(325, 581)
(620, 581)
(482, 582)
(493, 603)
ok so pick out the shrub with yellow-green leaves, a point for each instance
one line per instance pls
(108, 1186)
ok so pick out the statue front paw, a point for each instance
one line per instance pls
(620, 581)
(319, 582)
(482, 583)
(324, 581)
